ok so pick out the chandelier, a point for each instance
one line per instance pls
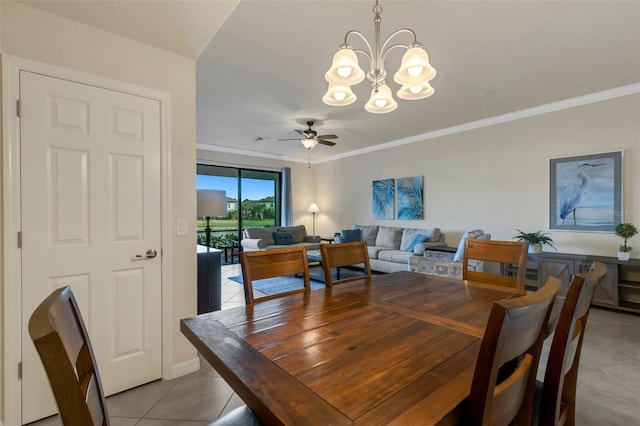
(413, 76)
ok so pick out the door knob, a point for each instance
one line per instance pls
(150, 254)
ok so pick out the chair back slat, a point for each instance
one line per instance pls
(557, 402)
(504, 378)
(345, 254)
(504, 252)
(61, 339)
(257, 265)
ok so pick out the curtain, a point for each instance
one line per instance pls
(286, 197)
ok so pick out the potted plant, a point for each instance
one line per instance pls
(535, 240)
(626, 231)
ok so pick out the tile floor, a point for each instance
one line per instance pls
(608, 383)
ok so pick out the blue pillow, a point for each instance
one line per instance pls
(417, 240)
(350, 235)
(283, 238)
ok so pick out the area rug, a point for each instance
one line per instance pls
(277, 285)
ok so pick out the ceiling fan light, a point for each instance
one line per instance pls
(415, 67)
(308, 143)
(338, 95)
(381, 100)
(344, 68)
(412, 93)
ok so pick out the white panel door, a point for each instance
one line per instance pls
(90, 161)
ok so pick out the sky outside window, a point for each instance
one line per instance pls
(252, 189)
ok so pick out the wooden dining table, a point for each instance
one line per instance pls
(400, 349)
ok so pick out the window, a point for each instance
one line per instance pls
(253, 199)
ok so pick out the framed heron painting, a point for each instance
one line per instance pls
(586, 192)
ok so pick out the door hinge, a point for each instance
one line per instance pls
(19, 239)
(20, 370)
(18, 108)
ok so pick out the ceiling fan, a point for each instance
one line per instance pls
(310, 137)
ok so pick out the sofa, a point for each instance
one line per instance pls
(448, 264)
(391, 247)
(264, 238)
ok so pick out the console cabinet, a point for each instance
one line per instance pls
(620, 288)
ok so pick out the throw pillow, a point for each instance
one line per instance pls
(350, 235)
(283, 238)
(417, 240)
(298, 232)
(471, 234)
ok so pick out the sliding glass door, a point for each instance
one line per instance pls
(253, 199)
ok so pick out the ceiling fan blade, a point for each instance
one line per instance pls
(300, 132)
(323, 142)
(294, 139)
(327, 137)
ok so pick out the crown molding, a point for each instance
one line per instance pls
(604, 95)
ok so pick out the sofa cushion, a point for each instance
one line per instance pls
(368, 233)
(419, 238)
(261, 233)
(283, 238)
(409, 235)
(350, 235)
(396, 256)
(389, 237)
(375, 251)
(471, 234)
(298, 232)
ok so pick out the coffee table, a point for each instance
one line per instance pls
(315, 257)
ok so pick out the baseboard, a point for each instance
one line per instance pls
(184, 368)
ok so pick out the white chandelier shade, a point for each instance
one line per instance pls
(381, 100)
(413, 76)
(339, 95)
(412, 93)
(345, 70)
(415, 67)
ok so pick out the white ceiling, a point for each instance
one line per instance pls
(261, 63)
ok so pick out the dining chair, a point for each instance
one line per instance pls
(505, 252)
(504, 379)
(257, 265)
(60, 337)
(557, 394)
(345, 254)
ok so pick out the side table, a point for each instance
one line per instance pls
(209, 279)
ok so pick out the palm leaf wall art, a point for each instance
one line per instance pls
(410, 206)
(383, 192)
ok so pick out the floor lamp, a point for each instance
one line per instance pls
(211, 203)
(313, 209)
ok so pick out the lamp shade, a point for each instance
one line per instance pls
(381, 100)
(338, 95)
(415, 67)
(212, 203)
(344, 70)
(313, 208)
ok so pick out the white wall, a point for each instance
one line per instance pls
(33, 34)
(495, 178)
